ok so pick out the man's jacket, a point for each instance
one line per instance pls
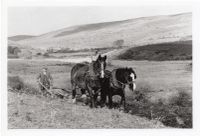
(45, 79)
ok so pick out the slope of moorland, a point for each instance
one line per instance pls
(181, 50)
(133, 32)
(20, 37)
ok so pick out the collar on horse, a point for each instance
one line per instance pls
(116, 83)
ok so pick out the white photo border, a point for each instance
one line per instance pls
(91, 132)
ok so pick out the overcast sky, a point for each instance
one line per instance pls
(40, 20)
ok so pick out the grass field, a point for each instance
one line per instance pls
(164, 90)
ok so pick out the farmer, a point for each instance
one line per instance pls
(96, 55)
(45, 80)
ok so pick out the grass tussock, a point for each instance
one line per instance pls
(176, 112)
(16, 84)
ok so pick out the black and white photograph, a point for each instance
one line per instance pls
(100, 67)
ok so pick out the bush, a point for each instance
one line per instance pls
(39, 53)
(16, 84)
(118, 43)
(177, 113)
(46, 54)
(13, 50)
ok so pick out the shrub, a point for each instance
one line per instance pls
(38, 53)
(118, 43)
(177, 113)
(13, 50)
(15, 83)
(46, 54)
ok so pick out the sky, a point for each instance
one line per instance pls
(40, 20)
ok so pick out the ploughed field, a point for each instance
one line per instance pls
(163, 94)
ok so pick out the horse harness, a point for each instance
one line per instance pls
(113, 81)
(92, 77)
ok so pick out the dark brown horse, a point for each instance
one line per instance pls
(87, 77)
(114, 84)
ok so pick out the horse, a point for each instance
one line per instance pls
(115, 82)
(87, 78)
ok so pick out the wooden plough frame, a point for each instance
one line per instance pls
(56, 91)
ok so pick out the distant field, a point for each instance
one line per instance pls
(158, 82)
(181, 50)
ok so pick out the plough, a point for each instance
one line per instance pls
(54, 91)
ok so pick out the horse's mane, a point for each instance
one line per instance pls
(92, 68)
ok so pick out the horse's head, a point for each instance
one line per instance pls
(130, 77)
(100, 65)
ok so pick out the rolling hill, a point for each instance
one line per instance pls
(180, 50)
(20, 37)
(134, 32)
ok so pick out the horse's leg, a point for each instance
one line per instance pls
(123, 100)
(110, 102)
(82, 91)
(95, 99)
(91, 94)
(103, 96)
(73, 93)
(92, 101)
(103, 91)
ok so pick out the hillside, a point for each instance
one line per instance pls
(28, 111)
(134, 32)
(12, 43)
(20, 37)
(181, 50)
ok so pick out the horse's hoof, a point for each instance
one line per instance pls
(83, 96)
(121, 109)
(91, 106)
(83, 104)
(98, 106)
(129, 111)
(53, 97)
(74, 100)
(110, 107)
(102, 105)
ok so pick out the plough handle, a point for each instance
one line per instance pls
(45, 87)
